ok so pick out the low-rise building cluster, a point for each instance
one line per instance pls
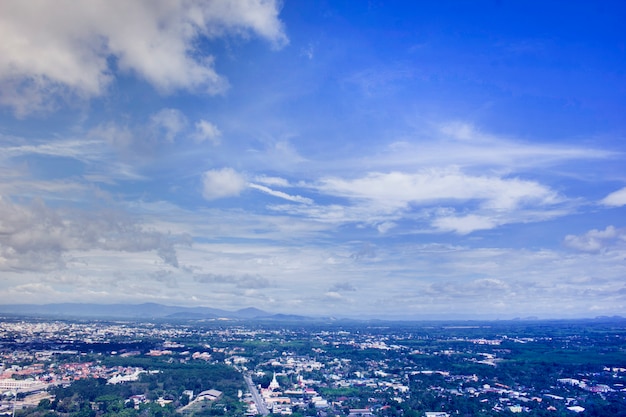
(353, 371)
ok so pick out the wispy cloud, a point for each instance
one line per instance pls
(241, 281)
(272, 181)
(615, 199)
(399, 189)
(462, 145)
(80, 149)
(280, 194)
(383, 198)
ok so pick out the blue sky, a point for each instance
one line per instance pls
(355, 159)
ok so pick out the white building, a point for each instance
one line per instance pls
(10, 384)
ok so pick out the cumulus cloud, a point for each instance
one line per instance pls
(596, 240)
(36, 237)
(221, 183)
(133, 141)
(207, 131)
(169, 122)
(615, 199)
(52, 49)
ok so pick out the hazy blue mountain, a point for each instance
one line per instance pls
(134, 311)
(251, 313)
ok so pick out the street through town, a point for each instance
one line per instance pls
(260, 404)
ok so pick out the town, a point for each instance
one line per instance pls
(333, 368)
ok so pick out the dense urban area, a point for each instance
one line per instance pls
(334, 368)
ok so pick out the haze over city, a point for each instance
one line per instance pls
(356, 159)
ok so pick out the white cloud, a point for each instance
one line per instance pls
(461, 131)
(400, 278)
(93, 157)
(308, 51)
(272, 181)
(82, 150)
(220, 183)
(615, 199)
(464, 146)
(275, 155)
(335, 213)
(280, 194)
(464, 224)
(207, 131)
(430, 200)
(119, 137)
(246, 281)
(596, 240)
(60, 48)
(333, 296)
(37, 237)
(397, 189)
(170, 122)
(385, 227)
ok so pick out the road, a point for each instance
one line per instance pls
(260, 404)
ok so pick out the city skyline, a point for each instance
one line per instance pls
(363, 160)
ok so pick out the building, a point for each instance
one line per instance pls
(274, 385)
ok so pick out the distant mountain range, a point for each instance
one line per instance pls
(140, 311)
(154, 311)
